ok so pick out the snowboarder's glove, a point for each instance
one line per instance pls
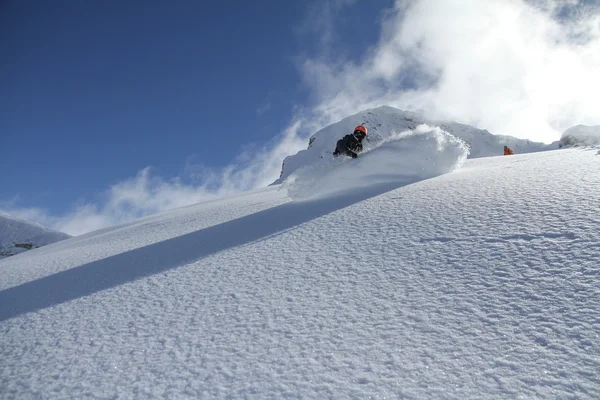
(354, 155)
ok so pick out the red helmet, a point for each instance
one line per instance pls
(361, 128)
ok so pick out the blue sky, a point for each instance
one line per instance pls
(92, 92)
(111, 110)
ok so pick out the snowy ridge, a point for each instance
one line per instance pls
(477, 283)
(18, 235)
(581, 136)
(385, 122)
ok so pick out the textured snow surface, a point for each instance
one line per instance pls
(384, 123)
(15, 230)
(479, 283)
(142, 233)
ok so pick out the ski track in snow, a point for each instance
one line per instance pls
(482, 283)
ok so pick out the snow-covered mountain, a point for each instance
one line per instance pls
(581, 136)
(450, 278)
(18, 235)
(384, 122)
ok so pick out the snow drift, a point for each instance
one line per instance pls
(386, 122)
(400, 159)
(581, 136)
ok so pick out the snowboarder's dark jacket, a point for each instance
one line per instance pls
(348, 145)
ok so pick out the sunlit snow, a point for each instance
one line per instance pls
(417, 280)
(17, 235)
(385, 123)
(402, 158)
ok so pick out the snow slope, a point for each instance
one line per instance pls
(581, 136)
(402, 158)
(477, 283)
(385, 122)
(16, 235)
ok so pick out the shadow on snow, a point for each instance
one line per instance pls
(138, 263)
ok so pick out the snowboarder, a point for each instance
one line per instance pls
(508, 151)
(351, 145)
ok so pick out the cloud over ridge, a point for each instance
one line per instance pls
(525, 69)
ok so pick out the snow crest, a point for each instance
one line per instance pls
(581, 136)
(18, 235)
(400, 159)
(383, 122)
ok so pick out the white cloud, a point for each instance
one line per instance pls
(147, 193)
(527, 69)
(263, 108)
(34, 214)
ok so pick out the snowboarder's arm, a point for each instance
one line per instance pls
(352, 152)
(354, 148)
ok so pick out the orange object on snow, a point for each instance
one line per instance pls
(508, 151)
